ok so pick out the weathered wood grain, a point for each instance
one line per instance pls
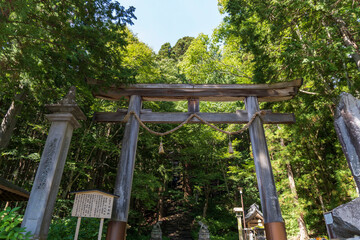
(126, 164)
(177, 92)
(193, 105)
(240, 117)
(266, 184)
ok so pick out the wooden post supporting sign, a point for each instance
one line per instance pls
(94, 204)
(77, 228)
(274, 223)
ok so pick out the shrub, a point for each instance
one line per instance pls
(10, 225)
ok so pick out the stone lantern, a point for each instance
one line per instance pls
(156, 233)
(238, 212)
(204, 233)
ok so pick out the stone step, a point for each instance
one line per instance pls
(177, 226)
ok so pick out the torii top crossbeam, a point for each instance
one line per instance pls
(210, 92)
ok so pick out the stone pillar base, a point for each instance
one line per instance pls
(116, 230)
(275, 231)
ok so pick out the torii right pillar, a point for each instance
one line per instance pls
(274, 223)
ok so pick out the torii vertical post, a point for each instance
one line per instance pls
(274, 223)
(124, 178)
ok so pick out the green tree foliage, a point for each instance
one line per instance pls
(298, 38)
(138, 57)
(199, 64)
(165, 51)
(181, 47)
(167, 61)
(58, 43)
(47, 46)
(206, 61)
(176, 52)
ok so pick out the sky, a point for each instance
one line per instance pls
(161, 21)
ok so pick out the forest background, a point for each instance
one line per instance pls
(48, 46)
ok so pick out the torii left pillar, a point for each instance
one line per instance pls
(64, 120)
(117, 225)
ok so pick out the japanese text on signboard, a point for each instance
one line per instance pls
(92, 205)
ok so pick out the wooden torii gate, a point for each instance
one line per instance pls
(250, 94)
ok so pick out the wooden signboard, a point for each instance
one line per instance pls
(92, 204)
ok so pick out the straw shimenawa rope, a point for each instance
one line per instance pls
(259, 113)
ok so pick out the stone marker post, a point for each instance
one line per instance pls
(347, 126)
(41, 203)
(274, 223)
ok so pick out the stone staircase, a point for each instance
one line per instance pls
(177, 224)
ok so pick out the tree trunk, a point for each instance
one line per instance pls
(225, 179)
(161, 207)
(206, 205)
(186, 182)
(9, 121)
(348, 40)
(301, 222)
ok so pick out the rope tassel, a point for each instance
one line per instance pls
(231, 150)
(161, 148)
